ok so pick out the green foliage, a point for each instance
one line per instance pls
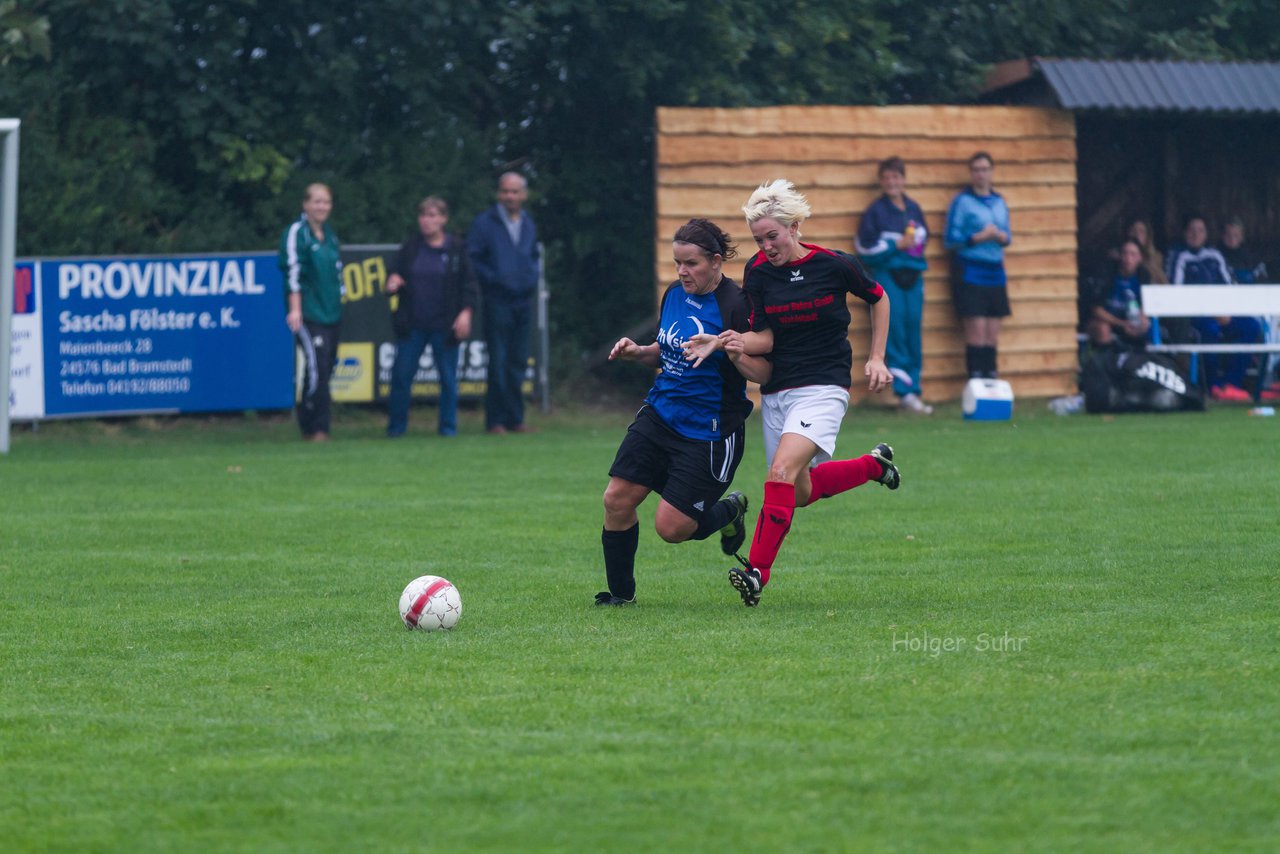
(210, 117)
(199, 647)
(1214, 30)
(23, 32)
(247, 163)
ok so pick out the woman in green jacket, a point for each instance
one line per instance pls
(313, 283)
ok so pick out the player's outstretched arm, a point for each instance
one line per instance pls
(629, 350)
(700, 346)
(757, 369)
(754, 343)
(878, 376)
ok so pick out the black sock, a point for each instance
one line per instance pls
(620, 560)
(720, 514)
(989, 362)
(972, 361)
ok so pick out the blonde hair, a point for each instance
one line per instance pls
(777, 200)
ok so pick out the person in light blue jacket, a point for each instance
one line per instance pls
(977, 232)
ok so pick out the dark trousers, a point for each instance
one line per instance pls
(408, 354)
(318, 345)
(507, 328)
(1228, 368)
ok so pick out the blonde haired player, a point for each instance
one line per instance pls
(800, 318)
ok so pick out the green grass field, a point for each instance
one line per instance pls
(1061, 634)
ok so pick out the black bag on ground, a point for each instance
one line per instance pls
(905, 277)
(1137, 382)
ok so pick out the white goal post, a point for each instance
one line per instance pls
(8, 228)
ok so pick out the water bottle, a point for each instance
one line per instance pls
(1135, 310)
(1264, 411)
(915, 236)
(1069, 405)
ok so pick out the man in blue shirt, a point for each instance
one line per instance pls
(503, 245)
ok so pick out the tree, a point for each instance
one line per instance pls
(172, 125)
(23, 32)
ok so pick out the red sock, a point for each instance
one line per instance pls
(837, 476)
(772, 526)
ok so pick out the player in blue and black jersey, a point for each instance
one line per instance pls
(687, 440)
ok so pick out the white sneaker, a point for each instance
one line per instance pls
(913, 403)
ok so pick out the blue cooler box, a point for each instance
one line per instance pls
(987, 400)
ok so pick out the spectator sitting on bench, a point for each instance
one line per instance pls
(1245, 265)
(1117, 321)
(1139, 230)
(1193, 263)
(1249, 269)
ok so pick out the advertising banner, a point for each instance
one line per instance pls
(26, 370)
(366, 323)
(191, 333)
(199, 333)
(368, 346)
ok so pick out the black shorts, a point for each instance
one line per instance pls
(982, 300)
(689, 474)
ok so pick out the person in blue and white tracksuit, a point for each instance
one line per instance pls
(977, 232)
(687, 440)
(890, 242)
(309, 258)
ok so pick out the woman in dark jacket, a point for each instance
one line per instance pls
(437, 295)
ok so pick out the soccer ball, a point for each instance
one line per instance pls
(430, 603)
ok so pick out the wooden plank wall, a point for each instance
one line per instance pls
(709, 161)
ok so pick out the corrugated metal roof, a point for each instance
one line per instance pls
(1233, 87)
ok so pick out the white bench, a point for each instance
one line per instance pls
(1210, 301)
(1213, 301)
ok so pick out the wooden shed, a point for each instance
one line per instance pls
(709, 160)
(1160, 140)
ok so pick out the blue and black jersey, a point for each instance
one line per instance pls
(710, 401)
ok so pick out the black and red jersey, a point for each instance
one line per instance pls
(804, 304)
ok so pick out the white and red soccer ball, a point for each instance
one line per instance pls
(430, 603)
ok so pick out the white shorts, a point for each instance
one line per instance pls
(812, 411)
